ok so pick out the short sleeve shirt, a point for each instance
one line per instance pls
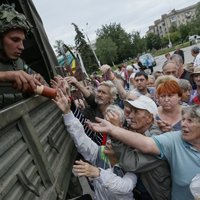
(183, 159)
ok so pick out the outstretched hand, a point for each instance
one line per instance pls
(164, 126)
(107, 72)
(104, 68)
(63, 102)
(113, 118)
(72, 80)
(101, 126)
(60, 83)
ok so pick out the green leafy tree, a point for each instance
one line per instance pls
(184, 31)
(173, 28)
(139, 44)
(153, 41)
(106, 50)
(195, 25)
(57, 45)
(85, 50)
(121, 39)
(175, 37)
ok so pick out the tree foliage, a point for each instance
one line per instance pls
(139, 44)
(185, 31)
(114, 44)
(153, 41)
(106, 50)
(120, 38)
(173, 28)
(57, 45)
(195, 25)
(85, 51)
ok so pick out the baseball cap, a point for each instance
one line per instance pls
(145, 103)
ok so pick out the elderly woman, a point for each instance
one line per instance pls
(181, 148)
(110, 182)
(169, 95)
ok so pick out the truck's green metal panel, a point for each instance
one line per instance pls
(36, 152)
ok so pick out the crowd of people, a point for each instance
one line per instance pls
(158, 139)
(138, 134)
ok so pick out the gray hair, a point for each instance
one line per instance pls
(195, 49)
(151, 77)
(177, 59)
(184, 84)
(116, 109)
(193, 111)
(113, 89)
(168, 62)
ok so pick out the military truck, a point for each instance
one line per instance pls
(36, 152)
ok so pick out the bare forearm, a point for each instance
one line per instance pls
(122, 92)
(86, 93)
(2, 76)
(135, 140)
(7, 76)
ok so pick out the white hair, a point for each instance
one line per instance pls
(113, 89)
(116, 109)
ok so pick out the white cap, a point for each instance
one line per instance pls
(145, 103)
(129, 68)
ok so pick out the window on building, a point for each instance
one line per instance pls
(173, 18)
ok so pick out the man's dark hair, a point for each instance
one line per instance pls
(141, 73)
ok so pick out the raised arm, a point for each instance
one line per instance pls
(72, 80)
(84, 144)
(107, 72)
(60, 83)
(133, 139)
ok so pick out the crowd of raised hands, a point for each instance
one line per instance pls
(102, 173)
(63, 101)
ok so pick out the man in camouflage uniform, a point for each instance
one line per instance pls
(15, 76)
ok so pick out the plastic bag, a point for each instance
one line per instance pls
(195, 187)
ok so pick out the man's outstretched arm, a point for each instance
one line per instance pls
(133, 139)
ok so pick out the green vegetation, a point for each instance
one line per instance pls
(114, 45)
(166, 50)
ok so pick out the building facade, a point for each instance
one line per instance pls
(174, 18)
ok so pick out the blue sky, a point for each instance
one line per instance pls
(90, 15)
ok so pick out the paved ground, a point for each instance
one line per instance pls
(187, 53)
(160, 60)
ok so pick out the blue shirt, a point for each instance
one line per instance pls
(184, 162)
(175, 127)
